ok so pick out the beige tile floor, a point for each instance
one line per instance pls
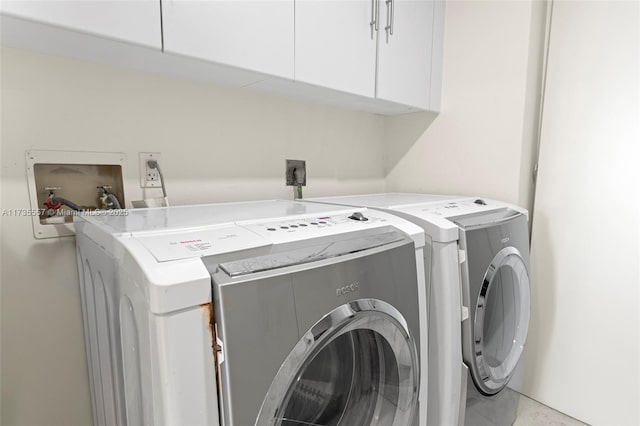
(532, 413)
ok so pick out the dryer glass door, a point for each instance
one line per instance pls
(356, 366)
(501, 320)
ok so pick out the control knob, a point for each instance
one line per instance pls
(358, 216)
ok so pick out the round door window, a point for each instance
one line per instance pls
(357, 366)
(501, 320)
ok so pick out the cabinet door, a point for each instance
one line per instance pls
(254, 35)
(133, 21)
(404, 52)
(334, 45)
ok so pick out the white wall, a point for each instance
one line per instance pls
(217, 144)
(583, 354)
(482, 142)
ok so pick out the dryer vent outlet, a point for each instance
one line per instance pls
(296, 173)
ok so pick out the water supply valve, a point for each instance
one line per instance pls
(51, 202)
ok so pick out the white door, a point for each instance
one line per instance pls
(335, 46)
(404, 51)
(254, 35)
(585, 251)
(133, 21)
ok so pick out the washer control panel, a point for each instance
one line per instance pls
(341, 220)
(293, 225)
(316, 224)
(198, 242)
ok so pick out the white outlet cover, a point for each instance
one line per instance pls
(142, 166)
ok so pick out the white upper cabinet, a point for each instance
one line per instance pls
(390, 50)
(335, 46)
(381, 56)
(254, 35)
(405, 52)
(133, 21)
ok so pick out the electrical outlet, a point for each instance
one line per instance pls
(149, 178)
(295, 173)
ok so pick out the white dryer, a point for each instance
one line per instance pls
(479, 301)
(260, 313)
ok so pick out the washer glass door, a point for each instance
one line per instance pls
(356, 366)
(501, 320)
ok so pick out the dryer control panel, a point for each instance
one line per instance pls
(439, 219)
(461, 207)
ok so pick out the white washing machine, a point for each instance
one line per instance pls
(479, 301)
(260, 313)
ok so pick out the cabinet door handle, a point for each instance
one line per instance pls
(390, 12)
(372, 23)
(393, 14)
(374, 17)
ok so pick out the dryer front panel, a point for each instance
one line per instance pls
(497, 291)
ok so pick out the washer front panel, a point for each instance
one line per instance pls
(357, 365)
(260, 317)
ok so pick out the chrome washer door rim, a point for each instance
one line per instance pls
(489, 379)
(343, 319)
